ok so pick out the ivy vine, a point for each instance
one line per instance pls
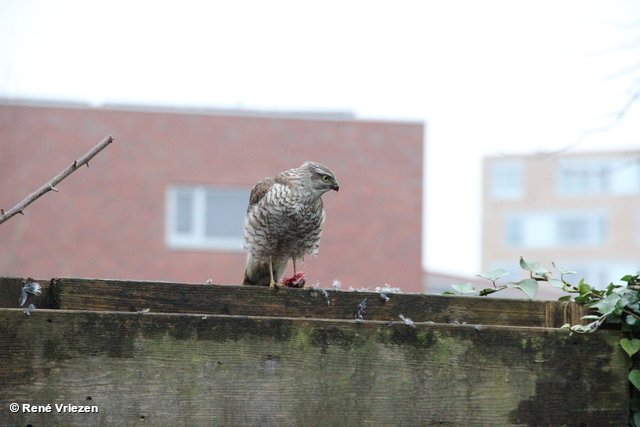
(617, 304)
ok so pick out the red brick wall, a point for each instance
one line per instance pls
(107, 221)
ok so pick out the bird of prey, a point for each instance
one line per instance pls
(284, 221)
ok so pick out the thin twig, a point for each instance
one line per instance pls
(631, 313)
(616, 119)
(618, 116)
(51, 185)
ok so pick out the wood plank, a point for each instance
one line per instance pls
(164, 297)
(10, 291)
(182, 369)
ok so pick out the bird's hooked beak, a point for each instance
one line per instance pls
(335, 187)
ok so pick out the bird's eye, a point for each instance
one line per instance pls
(325, 178)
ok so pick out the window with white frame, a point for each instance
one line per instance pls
(582, 177)
(611, 175)
(555, 229)
(625, 176)
(205, 217)
(581, 228)
(530, 230)
(506, 179)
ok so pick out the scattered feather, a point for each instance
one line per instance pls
(315, 289)
(30, 287)
(208, 282)
(146, 310)
(360, 310)
(407, 321)
(23, 297)
(388, 289)
(337, 284)
(384, 297)
(325, 295)
(479, 327)
(390, 324)
(29, 309)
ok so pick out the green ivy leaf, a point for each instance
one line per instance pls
(529, 287)
(526, 264)
(631, 295)
(630, 346)
(613, 318)
(608, 305)
(584, 289)
(612, 287)
(494, 274)
(533, 266)
(583, 299)
(563, 270)
(556, 283)
(464, 288)
(634, 377)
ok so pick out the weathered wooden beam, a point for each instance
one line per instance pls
(182, 369)
(164, 297)
(10, 292)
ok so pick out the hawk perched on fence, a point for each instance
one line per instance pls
(284, 221)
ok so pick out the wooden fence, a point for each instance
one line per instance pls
(246, 356)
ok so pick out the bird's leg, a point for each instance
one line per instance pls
(294, 266)
(273, 283)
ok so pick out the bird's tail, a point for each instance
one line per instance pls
(257, 272)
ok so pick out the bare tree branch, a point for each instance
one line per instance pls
(50, 186)
(616, 119)
(633, 91)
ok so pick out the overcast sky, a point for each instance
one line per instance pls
(486, 77)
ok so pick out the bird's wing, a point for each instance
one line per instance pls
(259, 190)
